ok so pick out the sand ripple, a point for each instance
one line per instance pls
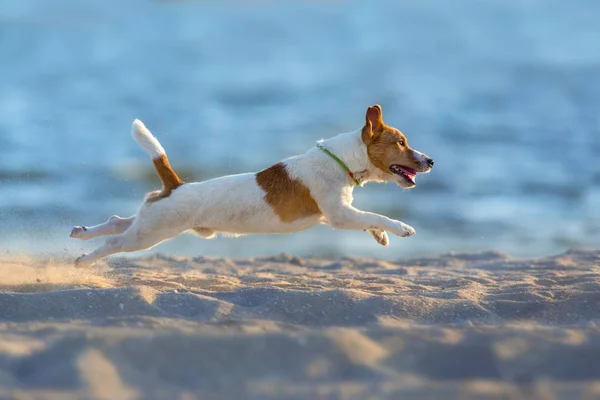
(475, 325)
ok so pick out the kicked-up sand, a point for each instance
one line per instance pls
(464, 326)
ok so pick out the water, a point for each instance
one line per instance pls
(504, 95)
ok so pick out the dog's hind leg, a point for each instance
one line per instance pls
(113, 244)
(113, 226)
(116, 244)
(141, 235)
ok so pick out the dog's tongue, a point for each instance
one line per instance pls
(408, 171)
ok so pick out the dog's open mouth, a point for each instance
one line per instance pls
(408, 174)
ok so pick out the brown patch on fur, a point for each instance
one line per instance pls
(289, 198)
(206, 233)
(386, 145)
(168, 177)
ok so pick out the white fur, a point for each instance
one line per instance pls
(235, 204)
(148, 142)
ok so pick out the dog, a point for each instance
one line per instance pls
(290, 196)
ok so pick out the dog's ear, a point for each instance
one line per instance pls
(373, 123)
(367, 132)
(375, 116)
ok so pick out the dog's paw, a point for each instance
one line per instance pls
(80, 262)
(78, 232)
(380, 236)
(405, 230)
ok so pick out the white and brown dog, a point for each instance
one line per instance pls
(293, 195)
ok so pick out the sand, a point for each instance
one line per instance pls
(468, 326)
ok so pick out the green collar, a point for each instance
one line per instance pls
(342, 164)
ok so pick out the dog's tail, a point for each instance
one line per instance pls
(168, 177)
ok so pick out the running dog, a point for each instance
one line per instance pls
(292, 195)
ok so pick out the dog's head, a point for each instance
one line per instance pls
(390, 153)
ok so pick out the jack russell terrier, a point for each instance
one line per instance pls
(292, 195)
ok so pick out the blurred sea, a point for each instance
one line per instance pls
(504, 95)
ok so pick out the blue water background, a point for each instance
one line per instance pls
(505, 95)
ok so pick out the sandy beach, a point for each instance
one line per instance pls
(503, 95)
(468, 326)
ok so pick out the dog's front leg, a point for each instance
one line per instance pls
(348, 217)
(380, 237)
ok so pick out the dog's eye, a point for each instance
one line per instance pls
(401, 143)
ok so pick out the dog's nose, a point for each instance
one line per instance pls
(430, 162)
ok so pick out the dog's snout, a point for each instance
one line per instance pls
(430, 162)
